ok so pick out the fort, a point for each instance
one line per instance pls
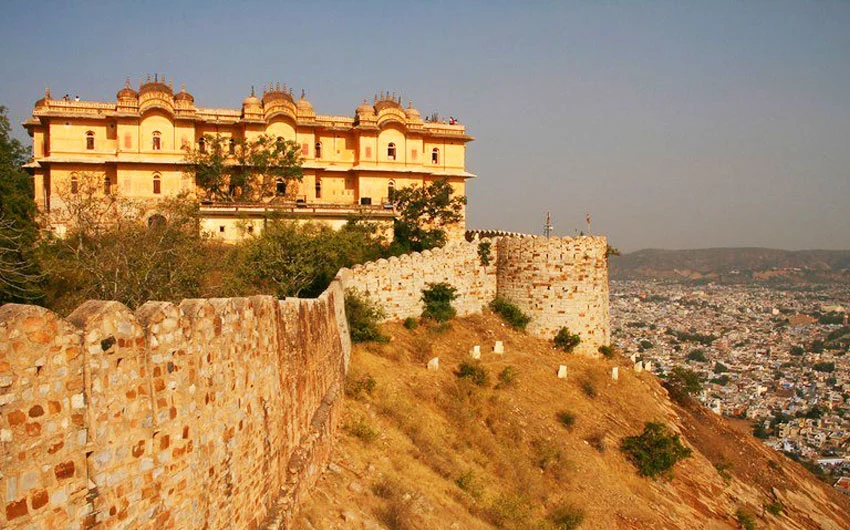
(136, 146)
(220, 413)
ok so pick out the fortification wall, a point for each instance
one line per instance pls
(396, 283)
(558, 282)
(208, 414)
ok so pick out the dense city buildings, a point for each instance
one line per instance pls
(136, 146)
(774, 357)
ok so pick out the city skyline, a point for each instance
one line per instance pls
(674, 125)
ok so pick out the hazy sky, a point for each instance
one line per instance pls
(676, 125)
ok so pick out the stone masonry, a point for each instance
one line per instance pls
(208, 414)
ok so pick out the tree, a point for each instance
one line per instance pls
(241, 170)
(19, 273)
(655, 451)
(423, 214)
(682, 383)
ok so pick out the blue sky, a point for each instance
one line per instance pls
(675, 124)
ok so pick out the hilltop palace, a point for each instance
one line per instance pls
(136, 147)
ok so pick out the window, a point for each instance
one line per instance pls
(391, 151)
(202, 145)
(157, 187)
(75, 186)
(318, 149)
(90, 141)
(250, 229)
(107, 185)
(157, 141)
(366, 201)
(435, 156)
(231, 146)
(280, 187)
(391, 191)
(318, 189)
(221, 229)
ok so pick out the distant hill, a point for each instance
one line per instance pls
(734, 265)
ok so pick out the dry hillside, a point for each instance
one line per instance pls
(423, 449)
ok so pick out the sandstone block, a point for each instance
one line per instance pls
(475, 352)
(562, 372)
(615, 373)
(499, 347)
(434, 364)
(639, 366)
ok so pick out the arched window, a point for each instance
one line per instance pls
(90, 141)
(75, 185)
(157, 184)
(318, 186)
(391, 191)
(435, 156)
(318, 149)
(391, 151)
(202, 145)
(280, 187)
(107, 185)
(157, 141)
(231, 146)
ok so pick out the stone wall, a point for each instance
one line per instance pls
(396, 283)
(208, 414)
(558, 282)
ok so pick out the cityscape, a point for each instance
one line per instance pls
(773, 358)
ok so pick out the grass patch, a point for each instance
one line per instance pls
(510, 313)
(745, 519)
(474, 372)
(655, 451)
(507, 377)
(566, 517)
(468, 482)
(567, 419)
(360, 428)
(589, 388)
(774, 508)
(411, 323)
(608, 351)
(356, 387)
(723, 470)
(597, 441)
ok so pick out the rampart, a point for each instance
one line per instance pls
(220, 413)
(557, 281)
(208, 414)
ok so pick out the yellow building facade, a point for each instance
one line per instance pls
(136, 147)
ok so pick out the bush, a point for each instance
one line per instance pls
(745, 519)
(360, 428)
(597, 441)
(698, 356)
(469, 483)
(354, 388)
(567, 419)
(507, 377)
(720, 368)
(363, 315)
(566, 517)
(682, 383)
(474, 372)
(411, 323)
(655, 451)
(438, 298)
(566, 340)
(723, 470)
(588, 388)
(607, 351)
(774, 508)
(824, 367)
(510, 313)
(484, 253)
(509, 510)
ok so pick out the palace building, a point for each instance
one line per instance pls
(136, 147)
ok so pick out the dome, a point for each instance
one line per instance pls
(127, 92)
(276, 94)
(184, 96)
(43, 101)
(365, 108)
(303, 105)
(411, 113)
(251, 100)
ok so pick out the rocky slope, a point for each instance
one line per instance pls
(427, 449)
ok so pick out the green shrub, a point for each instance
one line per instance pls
(745, 519)
(509, 511)
(363, 315)
(567, 419)
(655, 451)
(474, 372)
(411, 323)
(566, 517)
(438, 298)
(682, 383)
(698, 356)
(723, 470)
(774, 508)
(510, 313)
(566, 340)
(469, 483)
(360, 428)
(588, 388)
(608, 351)
(597, 441)
(507, 377)
(485, 253)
